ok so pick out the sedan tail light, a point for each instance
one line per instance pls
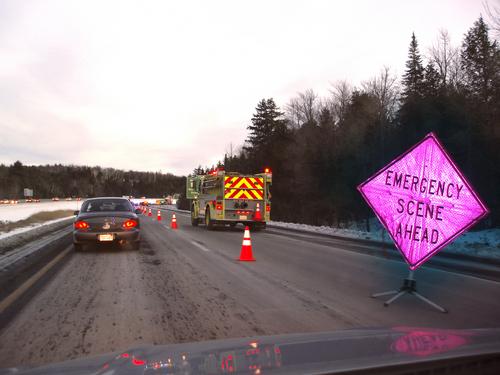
(80, 224)
(129, 224)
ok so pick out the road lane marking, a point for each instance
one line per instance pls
(200, 246)
(11, 298)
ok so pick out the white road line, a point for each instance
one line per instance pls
(200, 246)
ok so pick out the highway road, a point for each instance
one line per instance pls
(186, 285)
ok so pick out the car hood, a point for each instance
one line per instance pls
(327, 352)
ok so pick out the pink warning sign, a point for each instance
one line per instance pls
(423, 201)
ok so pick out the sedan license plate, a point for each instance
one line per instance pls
(243, 217)
(106, 237)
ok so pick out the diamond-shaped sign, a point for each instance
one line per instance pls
(423, 201)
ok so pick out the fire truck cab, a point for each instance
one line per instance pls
(220, 198)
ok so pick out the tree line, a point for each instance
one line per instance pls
(321, 148)
(62, 181)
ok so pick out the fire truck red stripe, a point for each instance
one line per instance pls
(249, 180)
(260, 182)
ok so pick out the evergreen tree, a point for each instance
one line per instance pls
(266, 121)
(414, 75)
(432, 81)
(480, 63)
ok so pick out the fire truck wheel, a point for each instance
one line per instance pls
(195, 222)
(208, 221)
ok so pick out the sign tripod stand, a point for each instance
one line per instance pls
(409, 287)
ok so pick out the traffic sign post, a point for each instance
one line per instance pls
(424, 202)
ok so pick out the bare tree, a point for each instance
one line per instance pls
(385, 88)
(443, 55)
(292, 113)
(308, 103)
(341, 94)
(303, 108)
(493, 13)
(456, 76)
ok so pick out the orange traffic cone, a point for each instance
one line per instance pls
(173, 224)
(257, 216)
(159, 215)
(246, 248)
(149, 213)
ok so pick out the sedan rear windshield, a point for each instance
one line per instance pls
(98, 205)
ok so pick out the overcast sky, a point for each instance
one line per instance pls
(164, 85)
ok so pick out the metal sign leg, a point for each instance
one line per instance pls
(409, 287)
(386, 303)
(385, 293)
(428, 301)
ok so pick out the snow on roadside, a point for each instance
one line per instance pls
(484, 243)
(31, 227)
(20, 211)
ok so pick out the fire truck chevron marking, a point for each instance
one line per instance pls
(231, 181)
(259, 182)
(241, 193)
(244, 182)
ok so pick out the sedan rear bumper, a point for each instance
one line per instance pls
(88, 237)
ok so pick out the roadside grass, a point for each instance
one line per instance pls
(39, 217)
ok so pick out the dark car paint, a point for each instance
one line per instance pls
(115, 219)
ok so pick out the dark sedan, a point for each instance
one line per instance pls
(106, 220)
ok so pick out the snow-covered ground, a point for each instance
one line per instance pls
(18, 231)
(20, 211)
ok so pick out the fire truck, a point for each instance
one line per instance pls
(220, 198)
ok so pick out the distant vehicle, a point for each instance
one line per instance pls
(106, 220)
(69, 199)
(55, 199)
(220, 197)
